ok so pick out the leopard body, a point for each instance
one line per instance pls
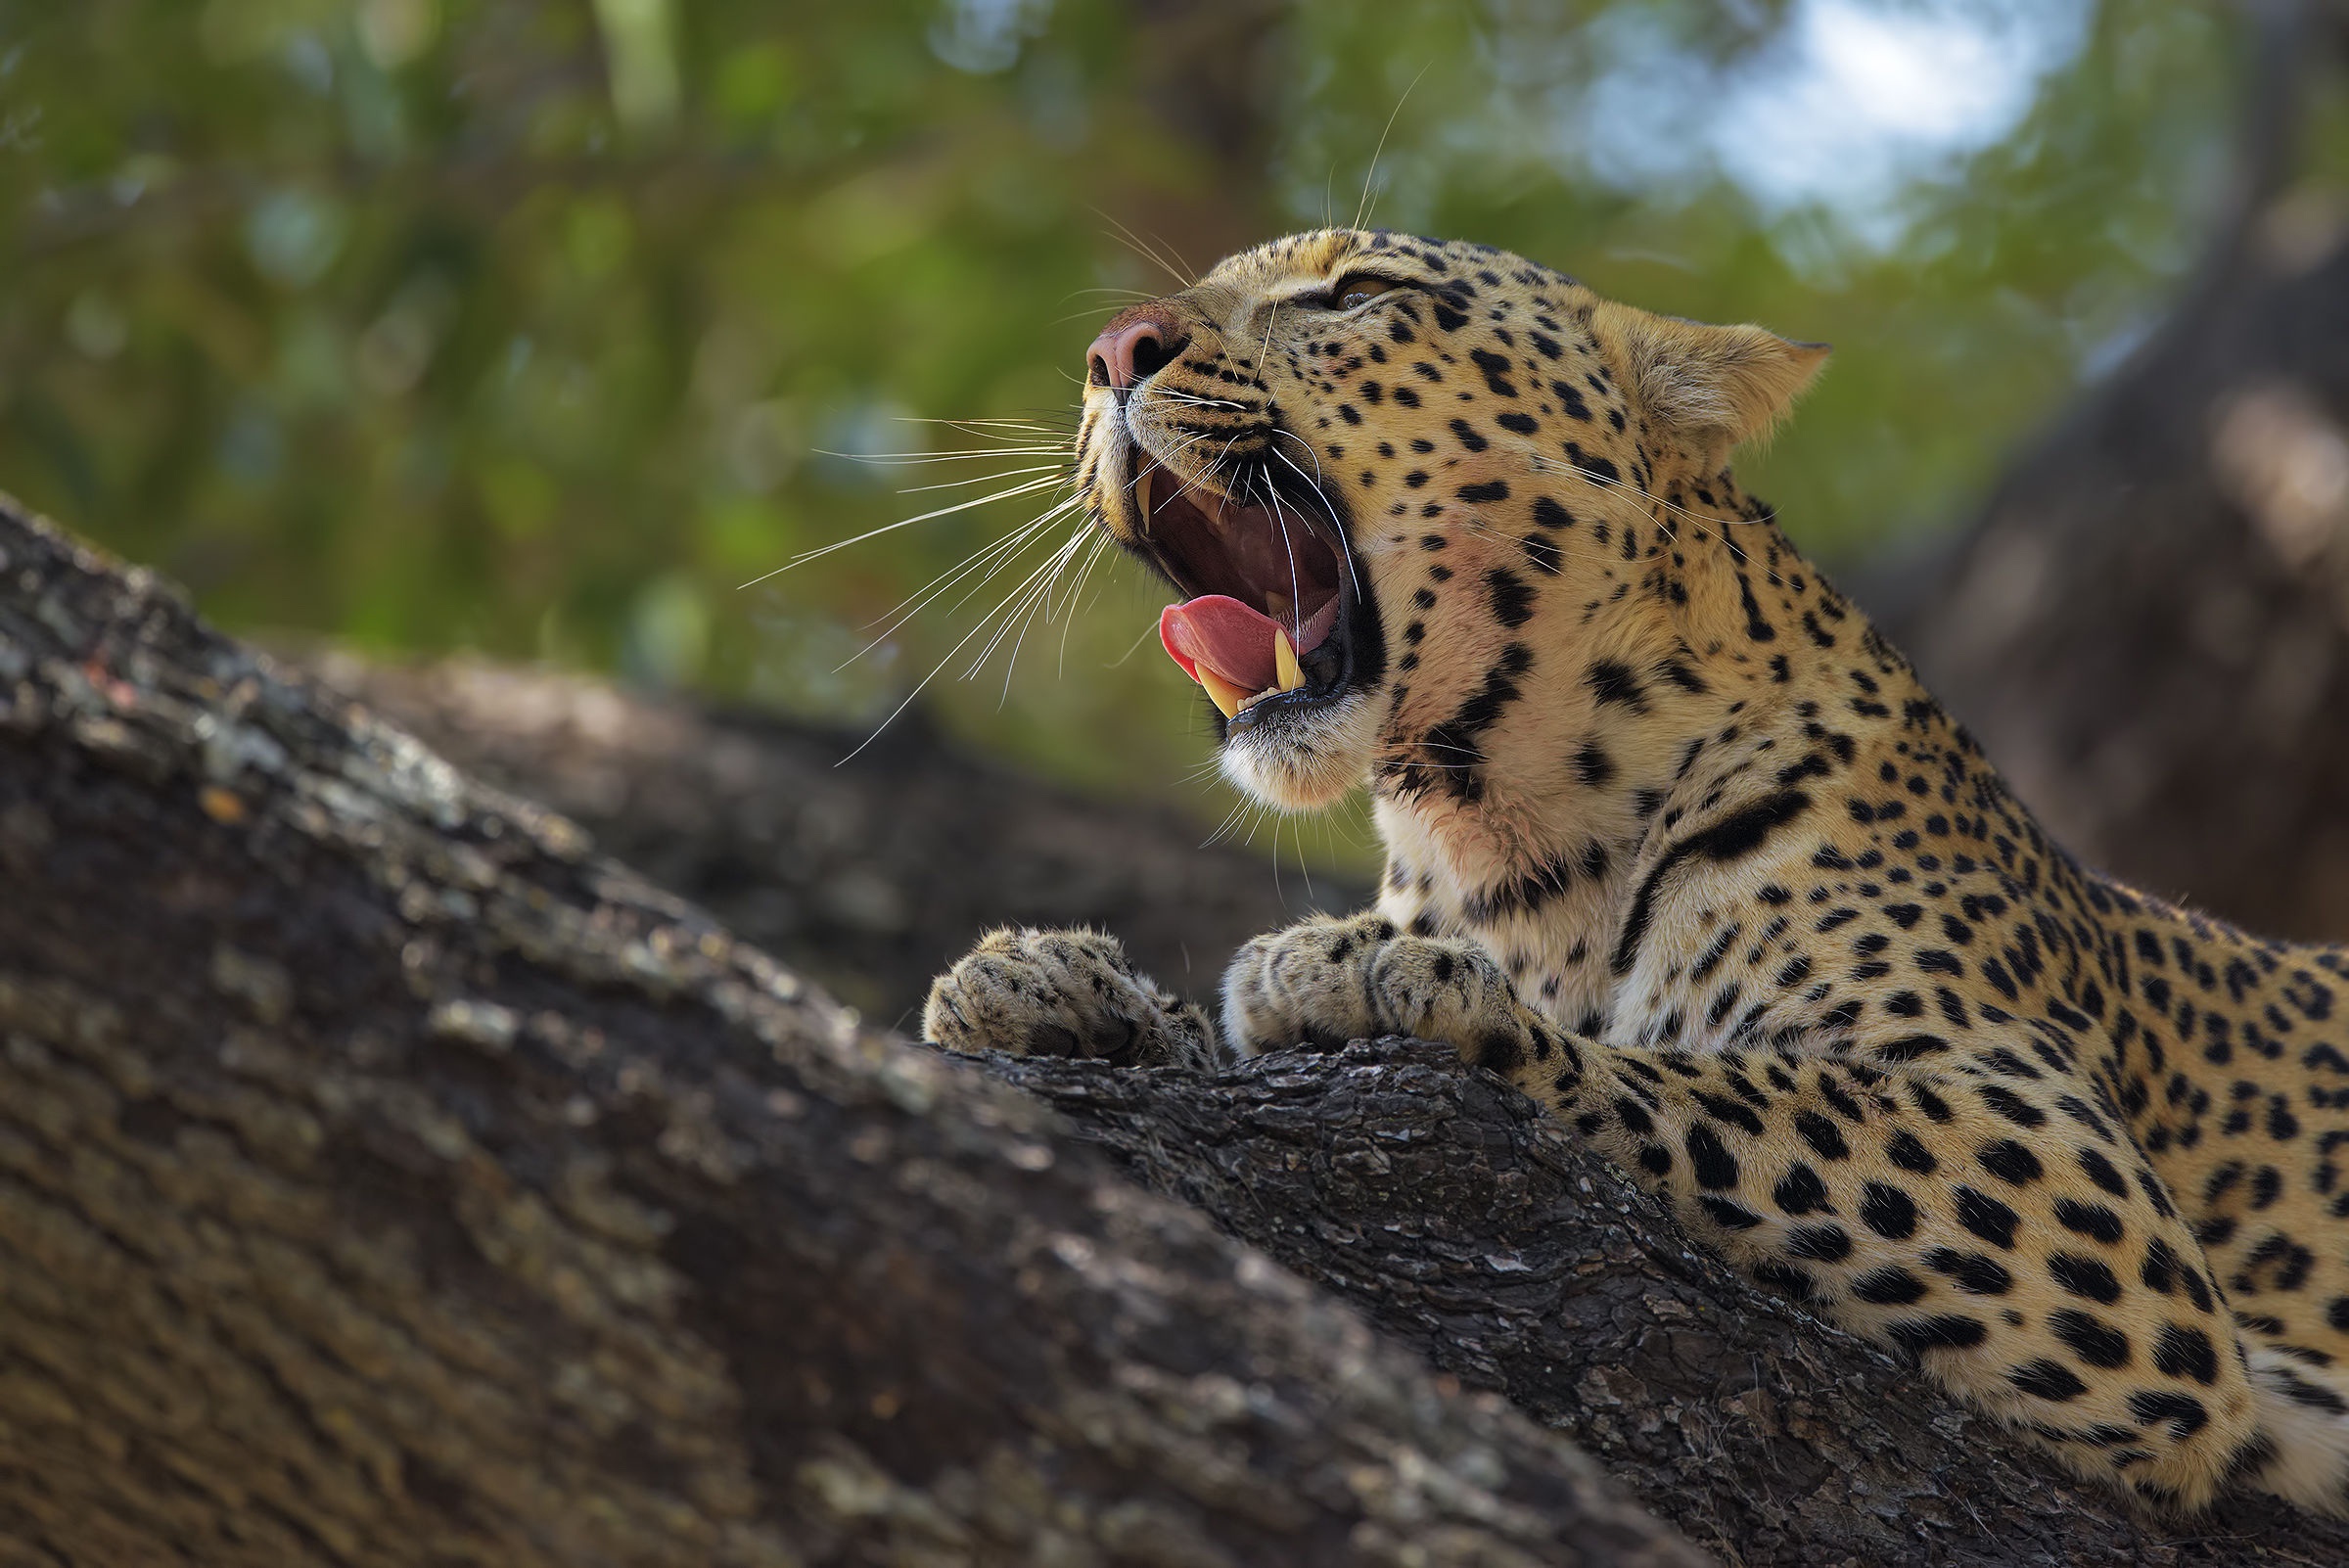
(1679, 845)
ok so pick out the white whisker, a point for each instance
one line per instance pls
(1361, 208)
(804, 556)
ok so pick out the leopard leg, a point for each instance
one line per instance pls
(1996, 1227)
(1064, 994)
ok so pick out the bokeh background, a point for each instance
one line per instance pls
(541, 328)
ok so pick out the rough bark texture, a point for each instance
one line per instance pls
(1467, 1224)
(385, 1180)
(866, 876)
(2148, 625)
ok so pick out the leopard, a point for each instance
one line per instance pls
(1679, 845)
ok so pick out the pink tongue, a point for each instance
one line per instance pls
(1223, 634)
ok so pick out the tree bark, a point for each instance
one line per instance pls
(2148, 627)
(1467, 1223)
(384, 1178)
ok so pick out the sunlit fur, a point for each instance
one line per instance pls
(1679, 844)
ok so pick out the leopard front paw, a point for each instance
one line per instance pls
(1064, 994)
(1324, 982)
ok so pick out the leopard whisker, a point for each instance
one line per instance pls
(1344, 553)
(999, 552)
(1133, 242)
(1037, 599)
(1028, 487)
(1362, 207)
(981, 478)
(935, 669)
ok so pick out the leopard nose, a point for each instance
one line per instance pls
(1133, 348)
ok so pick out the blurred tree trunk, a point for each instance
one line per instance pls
(2149, 624)
(868, 875)
(385, 1180)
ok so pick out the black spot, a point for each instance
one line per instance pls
(1593, 767)
(1934, 1107)
(1494, 366)
(2011, 1161)
(1545, 557)
(1888, 1212)
(1730, 1111)
(1727, 1214)
(1469, 435)
(1756, 627)
(1716, 1166)
(2021, 1112)
(1800, 1191)
(2183, 1412)
(2186, 1353)
(2092, 1339)
(2100, 1171)
(2048, 1380)
(1499, 1052)
(1905, 1151)
(1888, 1287)
(1987, 1217)
(1489, 491)
(2083, 1277)
(1974, 1274)
(1548, 514)
(1822, 1135)
(1513, 597)
(1613, 683)
(2088, 1219)
(1454, 741)
(1920, 1334)
(1821, 1243)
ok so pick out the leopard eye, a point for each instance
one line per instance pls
(1348, 293)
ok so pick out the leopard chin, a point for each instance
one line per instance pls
(1302, 758)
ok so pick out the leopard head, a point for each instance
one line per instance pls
(1383, 473)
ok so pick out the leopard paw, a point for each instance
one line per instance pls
(1064, 994)
(1327, 981)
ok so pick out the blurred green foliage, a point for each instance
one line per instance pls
(528, 325)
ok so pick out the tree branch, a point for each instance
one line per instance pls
(385, 1180)
(1467, 1223)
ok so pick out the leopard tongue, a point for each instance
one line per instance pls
(1231, 649)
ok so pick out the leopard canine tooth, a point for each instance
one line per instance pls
(1141, 494)
(1221, 692)
(1284, 662)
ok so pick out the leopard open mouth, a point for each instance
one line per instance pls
(1264, 626)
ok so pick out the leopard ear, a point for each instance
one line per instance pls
(1733, 384)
